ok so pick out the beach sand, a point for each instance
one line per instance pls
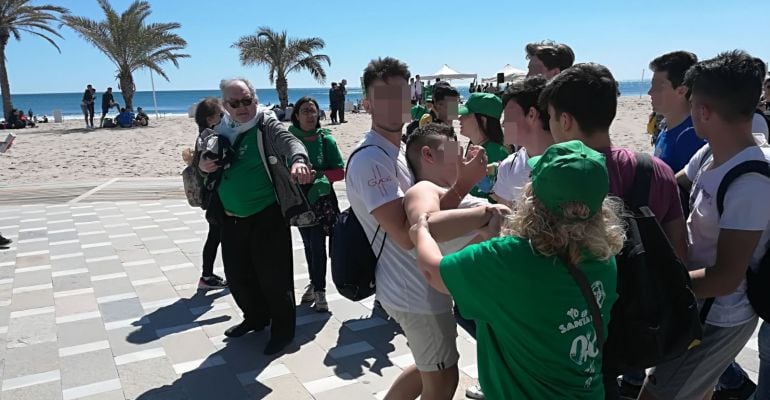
(66, 152)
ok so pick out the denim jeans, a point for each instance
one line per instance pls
(314, 240)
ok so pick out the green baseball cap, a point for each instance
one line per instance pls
(570, 172)
(418, 111)
(486, 104)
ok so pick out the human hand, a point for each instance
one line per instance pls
(208, 166)
(498, 213)
(472, 167)
(301, 173)
(414, 231)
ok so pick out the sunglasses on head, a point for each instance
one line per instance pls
(240, 103)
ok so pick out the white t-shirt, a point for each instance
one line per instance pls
(759, 125)
(457, 244)
(512, 175)
(375, 178)
(745, 208)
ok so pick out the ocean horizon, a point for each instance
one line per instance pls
(177, 102)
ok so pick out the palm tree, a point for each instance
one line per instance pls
(130, 43)
(18, 16)
(282, 56)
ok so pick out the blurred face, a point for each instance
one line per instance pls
(388, 102)
(536, 67)
(663, 95)
(240, 102)
(515, 125)
(470, 128)
(308, 116)
(446, 108)
(442, 161)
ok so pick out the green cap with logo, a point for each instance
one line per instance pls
(486, 104)
(570, 172)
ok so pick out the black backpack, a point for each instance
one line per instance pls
(655, 318)
(757, 282)
(352, 255)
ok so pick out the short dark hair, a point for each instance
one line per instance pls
(208, 107)
(586, 91)
(442, 90)
(552, 54)
(526, 93)
(384, 69)
(675, 64)
(300, 102)
(427, 135)
(731, 82)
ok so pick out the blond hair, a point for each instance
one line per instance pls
(570, 234)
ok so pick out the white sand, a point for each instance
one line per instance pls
(66, 152)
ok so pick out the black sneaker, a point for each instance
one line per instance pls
(243, 328)
(628, 391)
(211, 282)
(4, 241)
(740, 393)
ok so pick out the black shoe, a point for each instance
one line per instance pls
(211, 282)
(243, 328)
(4, 241)
(742, 392)
(628, 391)
(275, 346)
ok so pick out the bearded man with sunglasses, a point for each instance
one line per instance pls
(256, 241)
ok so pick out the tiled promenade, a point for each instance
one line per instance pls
(98, 300)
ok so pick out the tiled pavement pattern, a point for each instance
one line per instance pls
(98, 300)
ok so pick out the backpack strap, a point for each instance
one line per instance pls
(582, 282)
(746, 167)
(640, 190)
(374, 237)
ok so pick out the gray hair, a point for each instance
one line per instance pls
(225, 83)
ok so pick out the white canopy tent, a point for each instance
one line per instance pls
(446, 73)
(510, 73)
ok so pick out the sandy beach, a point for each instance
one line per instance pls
(66, 152)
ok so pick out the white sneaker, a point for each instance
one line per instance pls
(474, 392)
(320, 302)
(308, 296)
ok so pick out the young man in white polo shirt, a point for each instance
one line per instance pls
(724, 93)
(377, 178)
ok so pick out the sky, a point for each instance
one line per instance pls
(472, 37)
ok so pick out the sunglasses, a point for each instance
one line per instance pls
(240, 103)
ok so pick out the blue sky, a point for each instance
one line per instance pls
(474, 37)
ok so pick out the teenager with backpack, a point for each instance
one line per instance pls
(378, 175)
(582, 102)
(564, 224)
(326, 161)
(727, 229)
(208, 113)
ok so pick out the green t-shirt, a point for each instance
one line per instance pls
(245, 188)
(535, 338)
(323, 154)
(495, 153)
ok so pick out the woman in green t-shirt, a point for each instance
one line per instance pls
(535, 333)
(326, 160)
(480, 122)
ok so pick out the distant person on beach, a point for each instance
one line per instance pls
(208, 113)
(108, 101)
(446, 102)
(125, 119)
(256, 239)
(677, 143)
(142, 119)
(87, 105)
(326, 160)
(416, 90)
(548, 58)
(335, 97)
(344, 91)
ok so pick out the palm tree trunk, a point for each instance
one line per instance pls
(127, 88)
(5, 86)
(282, 86)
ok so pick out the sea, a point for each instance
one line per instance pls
(177, 102)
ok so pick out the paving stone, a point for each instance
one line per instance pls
(87, 368)
(71, 282)
(31, 330)
(155, 291)
(112, 286)
(75, 304)
(120, 310)
(198, 384)
(279, 388)
(47, 391)
(187, 346)
(30, 360)
(87, 331)
(31, 278)
(140, 377)
(133, 339)
(35, 299)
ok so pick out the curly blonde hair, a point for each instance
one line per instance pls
(571, 234)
